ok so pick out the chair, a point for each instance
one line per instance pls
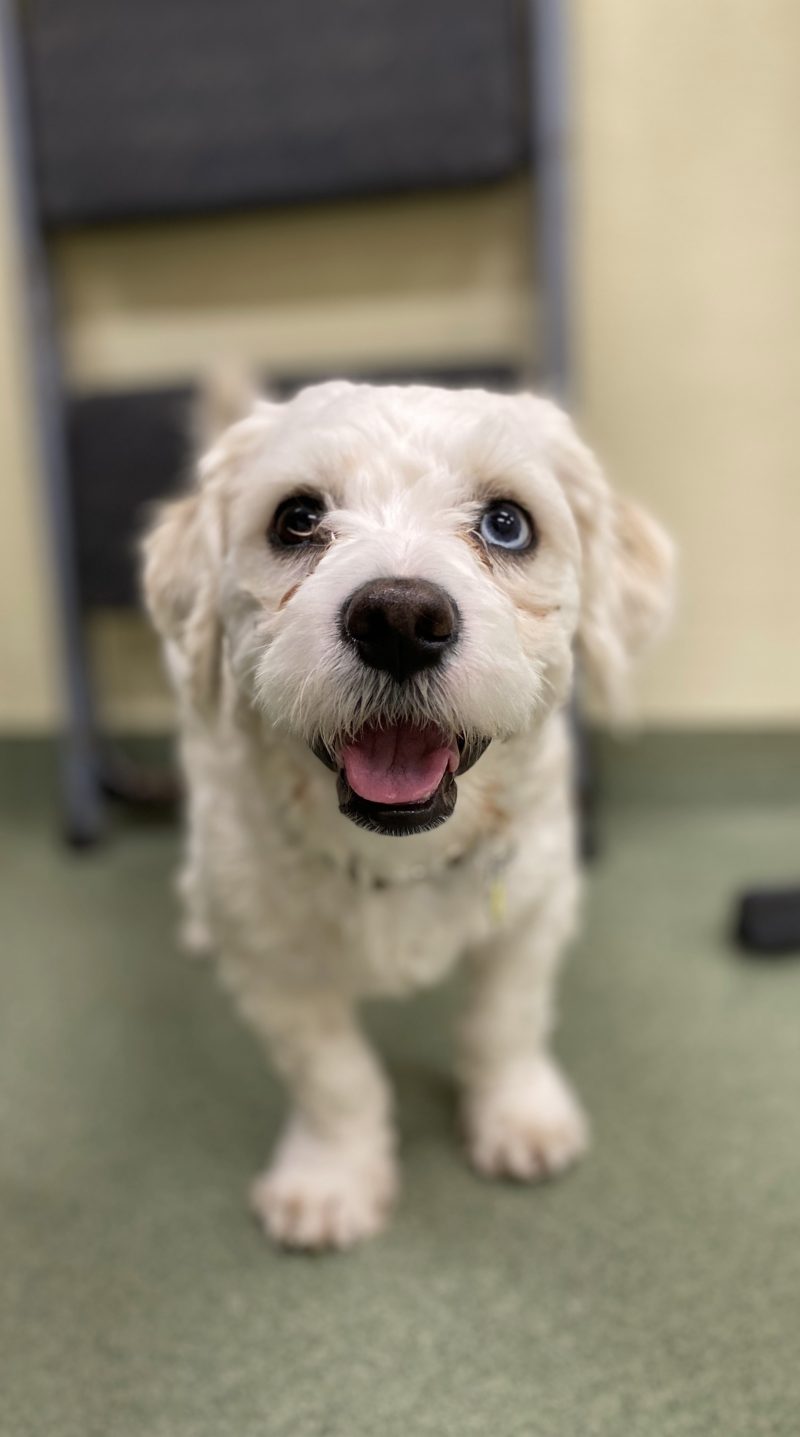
(188, 107)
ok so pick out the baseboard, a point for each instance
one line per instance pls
(656, 766)
(699, 766)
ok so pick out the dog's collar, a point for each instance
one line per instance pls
(490, 858)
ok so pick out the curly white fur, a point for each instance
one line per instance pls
(308, 913)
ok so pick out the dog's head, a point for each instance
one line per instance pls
(400, 577)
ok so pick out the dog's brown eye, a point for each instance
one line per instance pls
(297, 520)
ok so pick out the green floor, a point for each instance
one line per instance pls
(654, 1291)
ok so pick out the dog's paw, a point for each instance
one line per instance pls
(319, 1194)
(525, 1124)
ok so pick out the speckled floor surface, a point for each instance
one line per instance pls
(654, 1291)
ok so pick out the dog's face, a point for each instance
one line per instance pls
(399, 577)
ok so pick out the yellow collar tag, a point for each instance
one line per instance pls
(497, 900)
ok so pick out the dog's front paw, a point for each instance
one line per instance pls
(324, 1194)
(525, 1123)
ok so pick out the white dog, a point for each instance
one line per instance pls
(370, 607)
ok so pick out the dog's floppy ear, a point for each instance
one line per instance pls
(627, 571)
(182, 557)
(183, 551)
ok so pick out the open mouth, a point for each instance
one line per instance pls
(401, 778)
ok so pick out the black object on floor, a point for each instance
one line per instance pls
(768, 922)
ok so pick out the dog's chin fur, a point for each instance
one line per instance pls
(295, 880)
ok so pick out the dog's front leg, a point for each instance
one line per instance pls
(522, 1120)
(332, 1178)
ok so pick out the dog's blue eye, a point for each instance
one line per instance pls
(505, 525)
(297, 520)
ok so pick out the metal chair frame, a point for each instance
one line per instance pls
(84, 777)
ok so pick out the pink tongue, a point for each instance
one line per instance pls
(398, 765)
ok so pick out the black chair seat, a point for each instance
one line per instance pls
(185, 106)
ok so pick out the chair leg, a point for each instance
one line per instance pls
(584, 785)
(83, 818)
(81, 795)
(81, 792)
(82, 805)
(548, 85)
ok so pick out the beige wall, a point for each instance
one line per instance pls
(686, 270)
(689, 274)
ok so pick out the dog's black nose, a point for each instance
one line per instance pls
(400, 625)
